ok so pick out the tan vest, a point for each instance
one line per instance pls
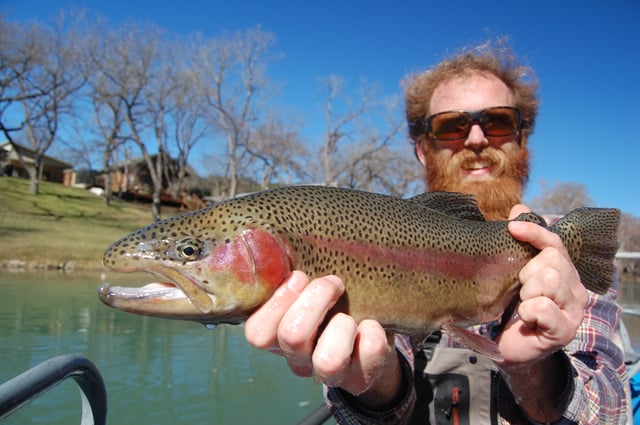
(455, 386)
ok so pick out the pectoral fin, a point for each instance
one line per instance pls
(477, 343)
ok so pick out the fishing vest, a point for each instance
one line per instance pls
(456, 386)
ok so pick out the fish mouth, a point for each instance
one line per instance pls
(179, 295)
(157, 291)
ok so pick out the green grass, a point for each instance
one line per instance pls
(61, 225)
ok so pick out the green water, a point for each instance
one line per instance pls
(156, 371)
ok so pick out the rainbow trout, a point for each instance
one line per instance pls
(414, 265)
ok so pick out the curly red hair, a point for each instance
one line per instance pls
(494, 58)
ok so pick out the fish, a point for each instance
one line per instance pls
(415, 265)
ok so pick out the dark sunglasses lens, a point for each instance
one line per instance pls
(450, 126)
(498, 122)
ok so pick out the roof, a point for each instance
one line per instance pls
(28, 155)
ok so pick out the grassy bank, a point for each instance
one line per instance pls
(61, 227)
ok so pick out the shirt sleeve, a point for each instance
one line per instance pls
(347, 411)
(597, 392)
(600, 381)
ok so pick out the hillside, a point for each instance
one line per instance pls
(61, 227)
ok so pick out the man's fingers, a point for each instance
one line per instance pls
(298, 329)
(332, 354)
(261, 328)
(351, 356)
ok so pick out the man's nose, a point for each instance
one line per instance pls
(476, 139)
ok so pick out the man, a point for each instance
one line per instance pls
(562, 360)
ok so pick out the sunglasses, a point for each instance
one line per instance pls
(499, 121)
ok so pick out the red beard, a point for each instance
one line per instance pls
(495, 197)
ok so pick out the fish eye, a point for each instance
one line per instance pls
(188, 250)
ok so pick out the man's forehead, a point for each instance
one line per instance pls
(470, 92)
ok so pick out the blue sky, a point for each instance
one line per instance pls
(586, 55)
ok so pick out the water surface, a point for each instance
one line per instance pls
(156, 371)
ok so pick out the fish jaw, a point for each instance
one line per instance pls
(177, 296)
(154, 299)
(229, 279)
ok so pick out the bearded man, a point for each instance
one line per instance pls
(470, 118)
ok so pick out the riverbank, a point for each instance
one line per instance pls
(61, 228)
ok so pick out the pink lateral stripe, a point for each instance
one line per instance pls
(446, 264)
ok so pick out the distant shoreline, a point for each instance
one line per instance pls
(65, 266)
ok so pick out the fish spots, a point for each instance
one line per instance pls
(436, 263)
(372, 241)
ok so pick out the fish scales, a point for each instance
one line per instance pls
(412, 264)
(336, 235)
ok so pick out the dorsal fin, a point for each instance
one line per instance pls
(459, 205)
(532, 218)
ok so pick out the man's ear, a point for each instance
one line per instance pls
(420, 154)
(524, 138)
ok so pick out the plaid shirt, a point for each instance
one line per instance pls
(598, 394)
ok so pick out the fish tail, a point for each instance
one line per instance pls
(591, 238)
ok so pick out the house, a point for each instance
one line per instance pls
(132, 181)
(134, 176)
(53, 169)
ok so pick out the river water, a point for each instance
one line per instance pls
(156, 371)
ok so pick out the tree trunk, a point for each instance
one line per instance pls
(108, 183)
(157, 204)
(34, 177)
(34, 186)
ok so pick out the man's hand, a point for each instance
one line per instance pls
(355, 357)
(552, 303)
(552, 297)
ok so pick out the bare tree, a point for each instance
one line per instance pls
(231, 70)
(107, 119)
(109, 123)
(336, 125)
(40, 75)
(133, 83)
(629, 233)
(17, 52)
(561, 198)
(277, 154)
(159, 108)
(629, 241)
(385, 170)
(190, 124)
(363, 143)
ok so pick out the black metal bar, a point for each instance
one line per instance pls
(317, 417)
(29, 385)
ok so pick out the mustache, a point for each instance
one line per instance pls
(495, 198)
(488, 157)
